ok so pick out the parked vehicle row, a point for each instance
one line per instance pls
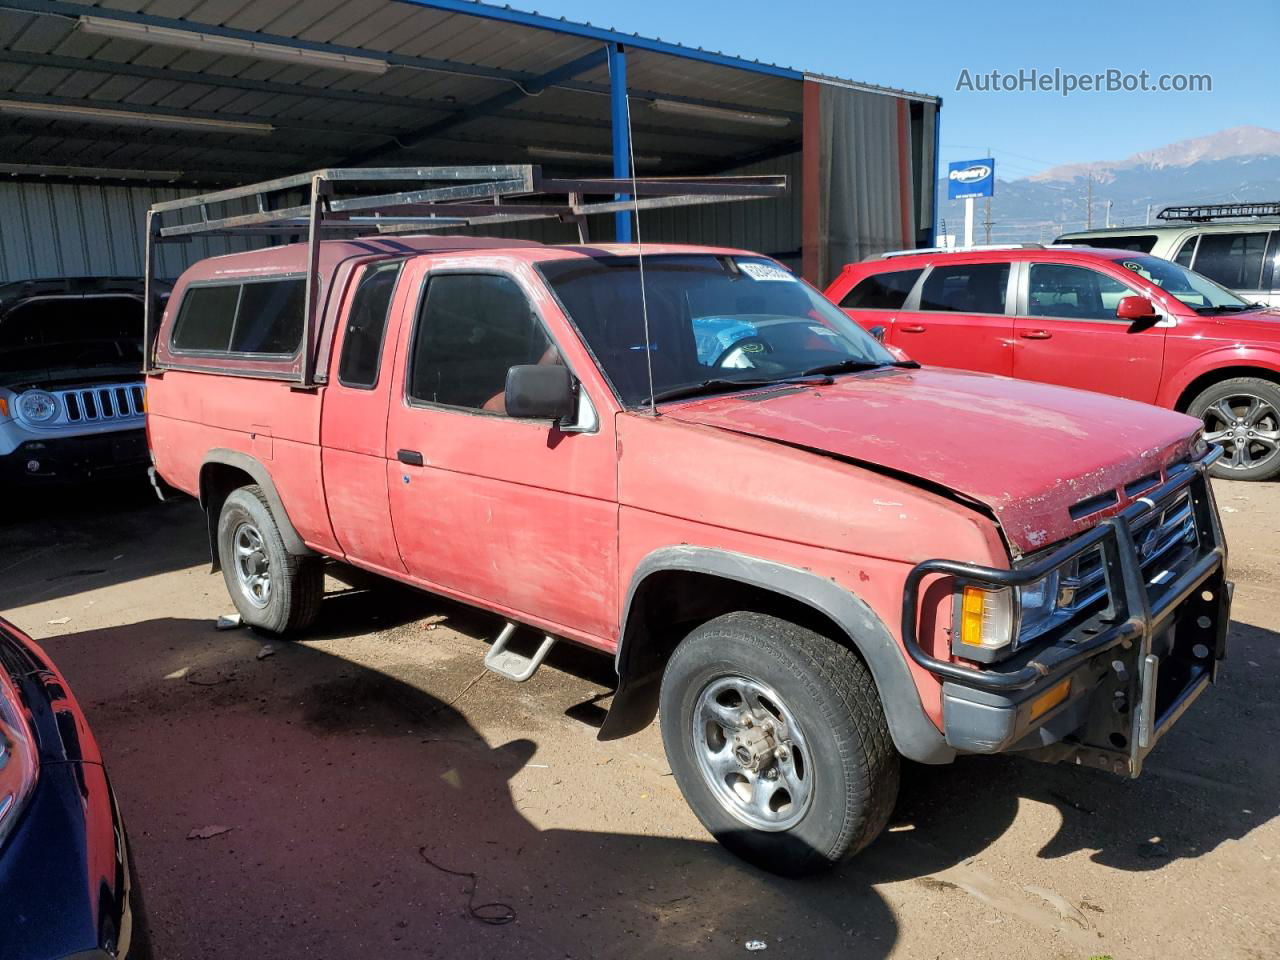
(810, 557)
(1115, 321)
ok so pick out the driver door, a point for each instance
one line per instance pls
(513, 514)
(1067, 333)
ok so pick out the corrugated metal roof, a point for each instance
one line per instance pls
(447, 57)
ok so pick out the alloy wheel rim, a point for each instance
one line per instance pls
(1248, 429)
(752, 753)
(253, 565)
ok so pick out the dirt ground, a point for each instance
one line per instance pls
(341, 764)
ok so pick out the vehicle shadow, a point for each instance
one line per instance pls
(338, 781)
(56, 542)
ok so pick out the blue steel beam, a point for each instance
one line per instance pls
(487, 107)
(621, 135)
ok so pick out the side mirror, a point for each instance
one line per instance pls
(1134, 308)
(877, 332)
(542, 391)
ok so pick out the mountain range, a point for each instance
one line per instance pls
(1235, 165)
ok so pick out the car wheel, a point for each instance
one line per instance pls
(274, 590)
(1243, 416)
(778, 740)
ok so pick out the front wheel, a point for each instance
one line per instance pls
(778, 740)
(1243, 416)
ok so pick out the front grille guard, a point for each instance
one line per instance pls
(1128, 614)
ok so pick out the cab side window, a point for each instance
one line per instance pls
(367, 325)
(471, 329)
(966, 288)
(881, 291)
(1076, 293)
(1232, 259)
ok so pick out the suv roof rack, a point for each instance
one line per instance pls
(457, 197)
(976, 248)
(1204, 212)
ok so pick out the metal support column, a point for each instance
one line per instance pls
(621, 134)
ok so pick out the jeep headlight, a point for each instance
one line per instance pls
(37, 406)
(1037, 607)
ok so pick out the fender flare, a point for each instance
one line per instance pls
(636, 700)
(1223, 359)
(234, 458)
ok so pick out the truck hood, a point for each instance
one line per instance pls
(1028, 452)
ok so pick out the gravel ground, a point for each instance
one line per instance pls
(337, 767)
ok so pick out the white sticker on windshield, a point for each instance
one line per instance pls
(765, 271)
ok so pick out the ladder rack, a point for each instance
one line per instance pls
(348, 203)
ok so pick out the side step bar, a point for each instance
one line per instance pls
(512, 665)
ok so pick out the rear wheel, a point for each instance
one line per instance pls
(1243, 416)
(778, 740)
(273, 589)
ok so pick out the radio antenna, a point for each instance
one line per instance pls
(644, 301)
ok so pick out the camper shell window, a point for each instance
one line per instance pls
(259, 317)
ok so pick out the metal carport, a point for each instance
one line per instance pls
(107, 107)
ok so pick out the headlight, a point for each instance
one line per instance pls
(36, 406)
(983, 621)
(18, 765)
(990, 622)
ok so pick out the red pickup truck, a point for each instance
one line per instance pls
(1115, 321)
(811, 559)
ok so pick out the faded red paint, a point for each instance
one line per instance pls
(1049, 456)
(856, 481)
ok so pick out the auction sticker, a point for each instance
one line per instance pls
(766, 271)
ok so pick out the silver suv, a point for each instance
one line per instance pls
(72, 402)
(1237, 245)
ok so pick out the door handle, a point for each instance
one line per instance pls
(913, 328)
(1036, 335)
(411, 457)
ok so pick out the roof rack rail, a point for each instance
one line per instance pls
(339, 202)
(976, 248)
(1203, 212)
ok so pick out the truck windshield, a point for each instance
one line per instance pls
(713, 321)
(1198, 292)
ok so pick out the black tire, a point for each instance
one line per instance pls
(295, 585)
(1251, 437)
(832, 697)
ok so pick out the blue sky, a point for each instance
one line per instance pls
(924, 46)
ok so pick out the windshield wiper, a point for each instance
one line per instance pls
(850, 365)
(1228, 308)
(724, 385)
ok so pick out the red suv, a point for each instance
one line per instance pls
(809, 558)
(1114, 321)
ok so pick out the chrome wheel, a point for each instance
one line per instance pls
(1248, 429)
(253, 566)
(752, 753)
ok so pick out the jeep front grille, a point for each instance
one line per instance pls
(94, 404)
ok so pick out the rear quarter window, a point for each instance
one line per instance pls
(882, 291)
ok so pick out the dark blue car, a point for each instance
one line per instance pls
(67, 884)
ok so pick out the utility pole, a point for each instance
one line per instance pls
(1088, 202)
(1108, 213)
(986, 219)
(1148, 220)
